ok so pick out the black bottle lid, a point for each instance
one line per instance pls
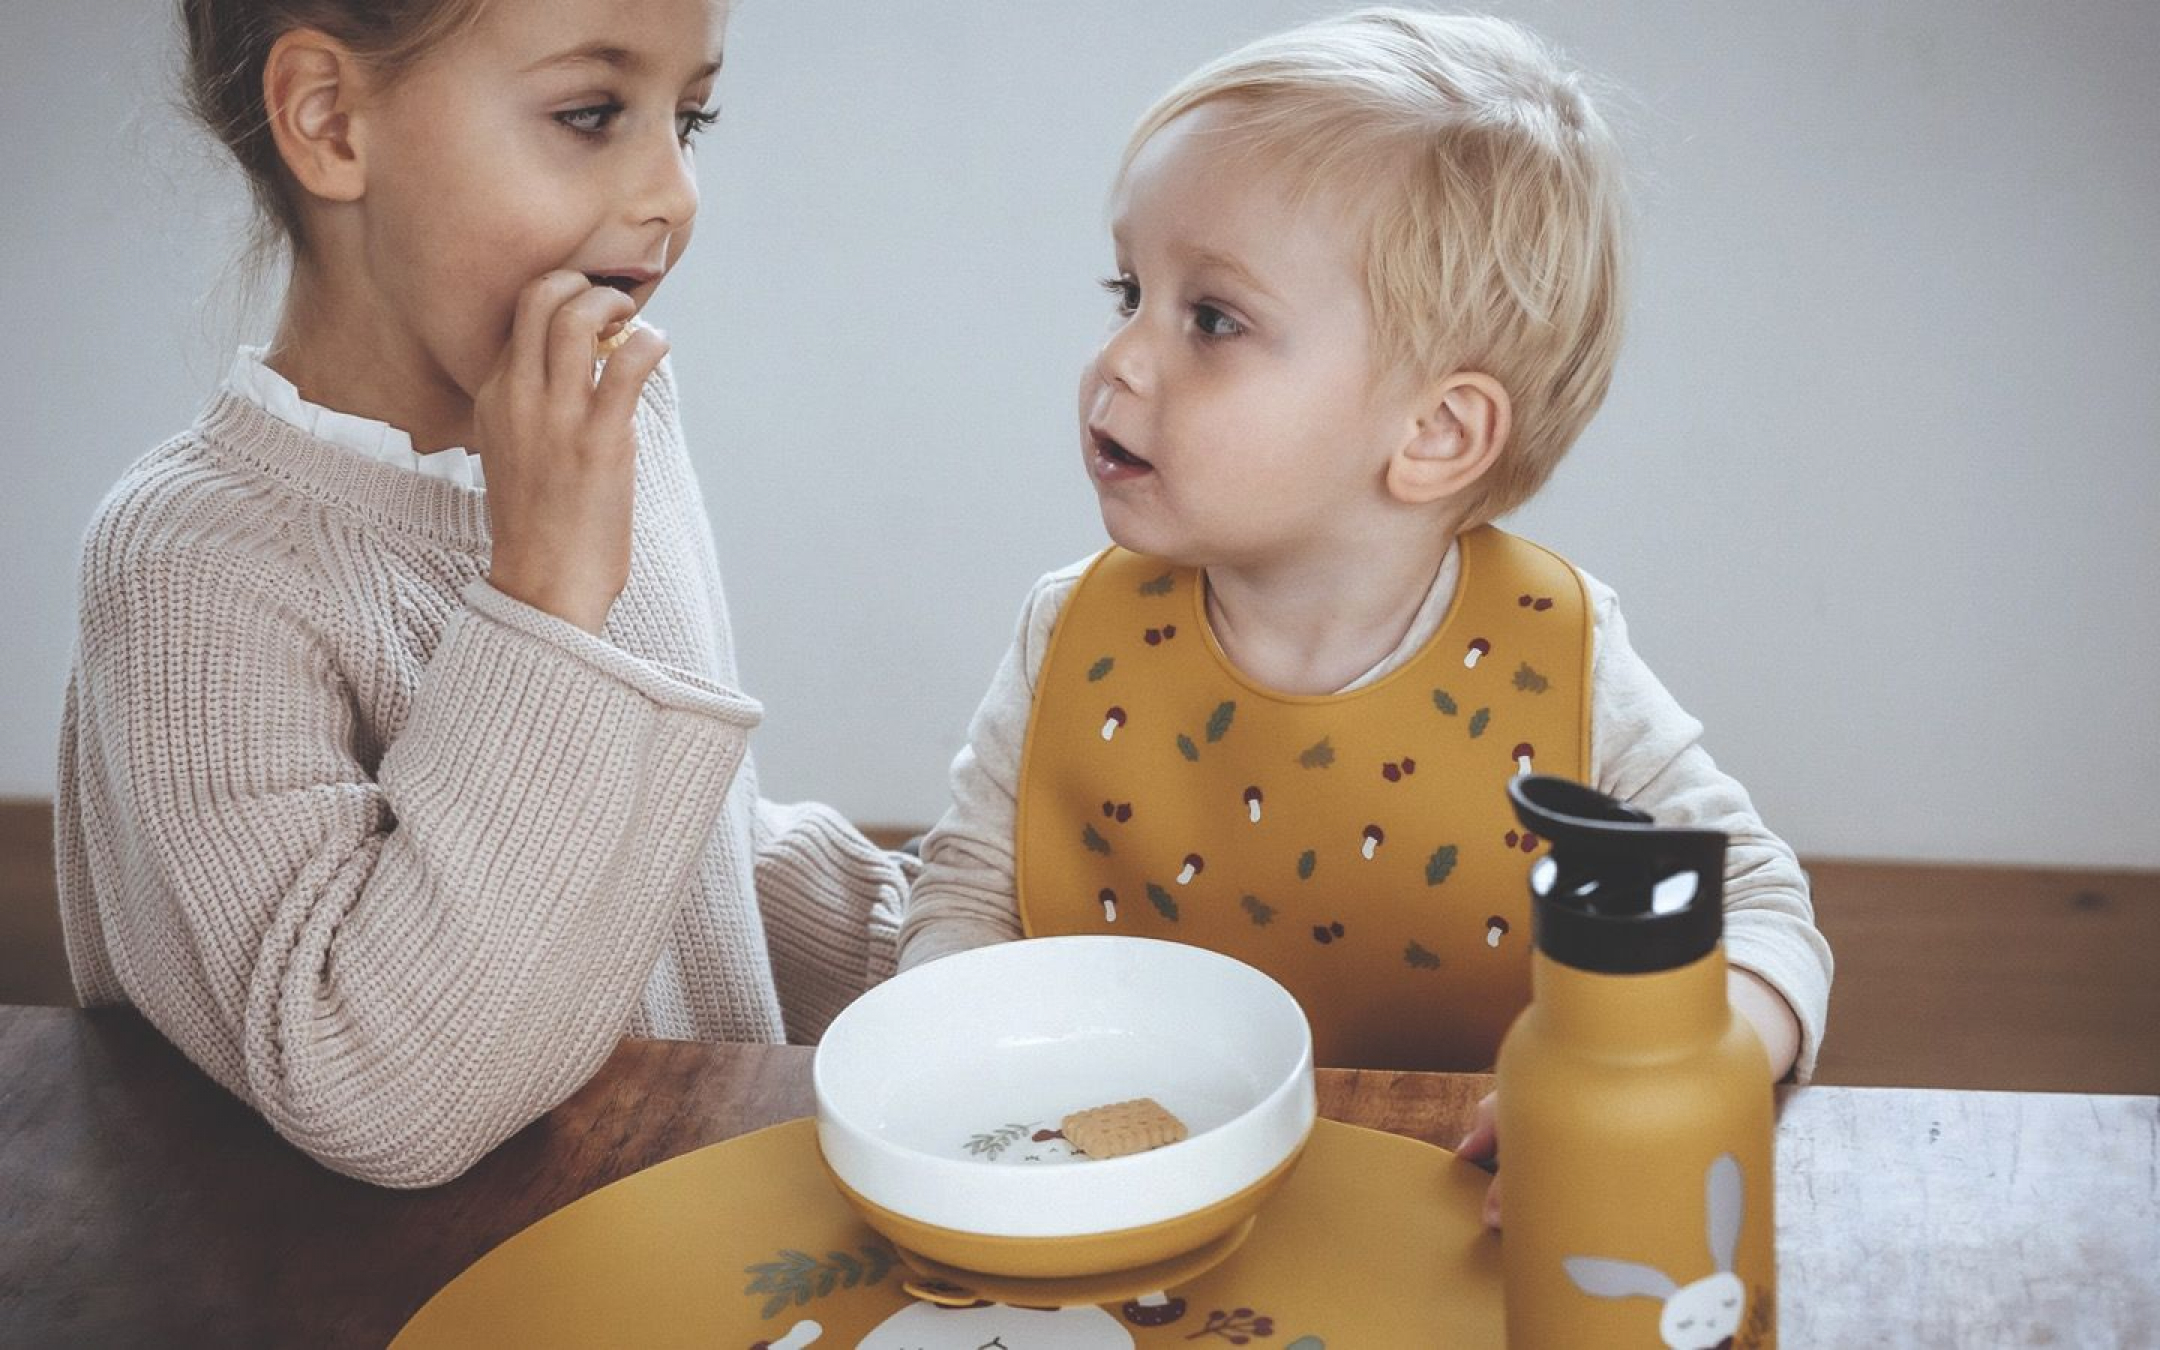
(1618, 894)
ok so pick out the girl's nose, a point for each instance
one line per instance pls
(667, 190)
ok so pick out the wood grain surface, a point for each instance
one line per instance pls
(142, 1205)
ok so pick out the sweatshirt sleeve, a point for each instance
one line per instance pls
(832, 904)
(1647, 751)
(400, 954)
(968, 895)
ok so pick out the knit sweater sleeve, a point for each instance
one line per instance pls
(400, 954)
(968, 895)
(1646, 750)
(832, 903)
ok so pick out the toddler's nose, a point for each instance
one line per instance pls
(1122, 362)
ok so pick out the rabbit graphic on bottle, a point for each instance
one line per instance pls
(1702, 1315)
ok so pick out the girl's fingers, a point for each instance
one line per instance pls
(525, 355)
(623, 378)
(573, 333)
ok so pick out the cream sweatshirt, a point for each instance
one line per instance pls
(1644, 749)
(397, 858)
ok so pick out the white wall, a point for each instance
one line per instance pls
(1874, 483)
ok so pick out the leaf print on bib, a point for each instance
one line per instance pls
(1101, 668)
(1161, 585)
(1418, 958)
(1478, 722)
(1440, 864)
(1218, 723)
(1529, 681)
(1165, 904)
(1318, 756)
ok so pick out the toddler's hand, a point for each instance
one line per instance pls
(1482, 1145)
(560, 449)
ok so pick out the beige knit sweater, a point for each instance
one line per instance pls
(397, 858)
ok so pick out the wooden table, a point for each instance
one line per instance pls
(142, 1205)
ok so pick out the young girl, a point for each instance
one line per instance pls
(395, 792)
(1367, 292)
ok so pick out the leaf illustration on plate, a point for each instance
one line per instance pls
(797, 1277)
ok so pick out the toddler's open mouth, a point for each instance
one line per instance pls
(1111, 458)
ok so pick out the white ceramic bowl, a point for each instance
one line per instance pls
(932, 1087)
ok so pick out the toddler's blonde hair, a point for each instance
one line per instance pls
(1490, 192)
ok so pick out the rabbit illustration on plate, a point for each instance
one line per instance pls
(1703, 1315)
(927, 1326)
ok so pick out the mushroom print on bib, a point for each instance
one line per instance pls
(1358, 847)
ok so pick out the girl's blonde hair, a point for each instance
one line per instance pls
(228, 45)
(1490, 194)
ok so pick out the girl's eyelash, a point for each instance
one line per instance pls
(593, 120)
(606, 112)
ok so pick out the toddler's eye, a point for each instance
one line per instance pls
(1215, 323)
(692, 121)
(1127, 292)
(590, 121)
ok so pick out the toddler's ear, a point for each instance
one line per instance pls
(311, 85)
(1461, 431)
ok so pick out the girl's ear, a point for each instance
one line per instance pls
(312, 83)
(1461, 431)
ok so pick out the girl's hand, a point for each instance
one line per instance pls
(560, 450)
(1482, 1145)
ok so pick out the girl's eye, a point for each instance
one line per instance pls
(1127, 292)
(590, 121)
(1214, 323)
(690, 123)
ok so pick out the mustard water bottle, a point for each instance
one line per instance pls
(1636, 1110)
